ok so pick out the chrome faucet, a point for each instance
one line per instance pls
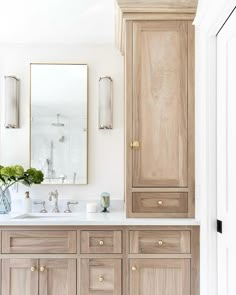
(54, 195)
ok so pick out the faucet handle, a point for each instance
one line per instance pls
(68, 210)
(43, 210)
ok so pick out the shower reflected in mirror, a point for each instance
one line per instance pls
(59, 122)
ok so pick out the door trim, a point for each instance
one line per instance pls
(206, 86)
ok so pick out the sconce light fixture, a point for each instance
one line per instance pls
(105, 103)
(11, 102)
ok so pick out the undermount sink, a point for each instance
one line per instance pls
(46, 216)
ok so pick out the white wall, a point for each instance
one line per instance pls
(105, 148)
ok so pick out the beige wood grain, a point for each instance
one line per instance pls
(156, 242)
(128, 115)
(128, 14)
(195, 261)
(191, 118)
(38, 241)
(17, 277)
(160, 103)
(58, 278)
(160, 3)
(160, 277)
(138, 239)
(101, 242)
(101, 276)
(160, 202)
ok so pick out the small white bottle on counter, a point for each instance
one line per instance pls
(27, 203)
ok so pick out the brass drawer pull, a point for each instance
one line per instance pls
(101, 242)
(160, 203)
(160, 242)
(134, 268)
(101, 279)
(33, 268)
(135, 144)
(42, 268)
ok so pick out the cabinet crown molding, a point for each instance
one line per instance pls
(157, 5)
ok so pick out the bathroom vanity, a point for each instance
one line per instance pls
(97, 255)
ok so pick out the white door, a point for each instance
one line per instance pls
(226, 156)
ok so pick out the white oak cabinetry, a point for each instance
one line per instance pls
(112, 260)
(157, 40)
(25, 276)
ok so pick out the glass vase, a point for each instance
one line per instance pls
(5, 201)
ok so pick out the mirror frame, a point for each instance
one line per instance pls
(87, 124)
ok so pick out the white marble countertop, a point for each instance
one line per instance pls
(86, 219)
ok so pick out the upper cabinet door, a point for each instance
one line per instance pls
(19, 276)
(160, 104)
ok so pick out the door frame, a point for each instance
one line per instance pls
(206, 106)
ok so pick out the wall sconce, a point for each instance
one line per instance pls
(11, 102)
(105, 103)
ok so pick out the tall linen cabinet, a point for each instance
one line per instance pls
(157, 40)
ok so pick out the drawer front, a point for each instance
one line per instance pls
(38, 241)
(159, 242)
(101, 242)
(160, 202)
(101, 276)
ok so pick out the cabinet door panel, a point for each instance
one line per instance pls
(18, 278)
(58, 278)
(160, 102)
(160, 277)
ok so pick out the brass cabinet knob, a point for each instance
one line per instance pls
(42, 268)
(101, 242)
(160, 242)
(33, 268)
(101, 279)
(135, 144)
(160, 202)
(134, 268)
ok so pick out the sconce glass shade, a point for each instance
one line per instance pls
(105, 103)
(11, 102)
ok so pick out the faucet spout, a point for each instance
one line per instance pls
(54, 196)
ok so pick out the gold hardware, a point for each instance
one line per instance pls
(101, 242)
(33, 268)
(134, 268)
(135, 144)
(160, 202)
(160, 242)
(42, 268)
(101, 279)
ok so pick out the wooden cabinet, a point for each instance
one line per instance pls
(96, 241)
(25, 276)
(100, 276)
(20, 276)
(38, 241)
(160, 276)
(153, 260)
(159, 242)
(159, 78)
(57, 276)
(160, 104)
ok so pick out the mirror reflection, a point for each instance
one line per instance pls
(59, 122)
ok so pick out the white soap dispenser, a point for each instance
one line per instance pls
(27, 203)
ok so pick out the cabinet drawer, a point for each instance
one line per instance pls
(159, 242)
(101, 242)
(38, 241)
(101, 276)
(160, 202)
